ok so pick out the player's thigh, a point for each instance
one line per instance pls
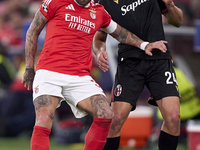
(47, 83)
(161, 81)
(46, 96)
(169, 107)
(97, 106)
(45, 106)
(121, 111)
(129, 82)
(85, 96)
(46, 102)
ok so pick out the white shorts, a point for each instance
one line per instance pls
(70, 88)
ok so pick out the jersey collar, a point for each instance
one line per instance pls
(86, 6)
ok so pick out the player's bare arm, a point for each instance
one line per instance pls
(33, 32)
(123, 36)
(126, 37)
(99, 49)
(174, 15)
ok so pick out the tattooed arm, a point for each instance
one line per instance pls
(123, 36)
(32, 34)
(126, 37)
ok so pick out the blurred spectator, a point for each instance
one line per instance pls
(16, 109)
(10, 32)
(196, 7)
(7, 74)
(7, 70)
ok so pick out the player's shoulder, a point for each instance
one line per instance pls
(54, 2)
(57, 2)
(97, 6)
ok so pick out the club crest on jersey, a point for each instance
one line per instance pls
(44, 6)
(118, 90)
(36, 89)
(116, 1)
(92, 13)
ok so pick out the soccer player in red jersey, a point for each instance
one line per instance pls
(62, 70)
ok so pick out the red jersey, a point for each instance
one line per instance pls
(69, 34)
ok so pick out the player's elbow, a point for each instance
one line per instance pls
(176, 20)
(179, 23)
(176, 23)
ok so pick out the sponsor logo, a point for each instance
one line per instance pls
(70, 7)
(131, 7)
(76, 22)
(78, 19)
(118, 90)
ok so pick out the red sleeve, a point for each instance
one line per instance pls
(106, 19)
(48, 8)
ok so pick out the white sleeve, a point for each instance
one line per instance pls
(111, 27)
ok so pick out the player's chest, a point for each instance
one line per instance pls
(72, 17)
(126, 8)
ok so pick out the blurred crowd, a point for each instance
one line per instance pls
(16, 107)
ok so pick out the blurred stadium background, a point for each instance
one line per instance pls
(141, 129)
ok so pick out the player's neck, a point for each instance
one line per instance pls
(82, 3)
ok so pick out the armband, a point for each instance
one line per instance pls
(143, 45)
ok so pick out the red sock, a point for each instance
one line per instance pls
(40, 138)
(97, 134)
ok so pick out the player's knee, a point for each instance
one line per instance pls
(109, 114)
(106, 112)
(176, 118)
(118, 120)
(103, 110)
(172, 124)
(45, 118)
(173, 118)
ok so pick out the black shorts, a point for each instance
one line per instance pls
(133, 74)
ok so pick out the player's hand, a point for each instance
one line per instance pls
(102, 60)
(158, 45)
(28, 78)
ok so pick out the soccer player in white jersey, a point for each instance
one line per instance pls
(62, 71)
